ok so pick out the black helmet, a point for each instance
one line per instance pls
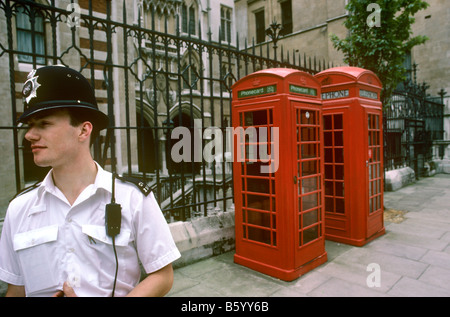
(53, 87)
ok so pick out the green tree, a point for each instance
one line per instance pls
(379, 38)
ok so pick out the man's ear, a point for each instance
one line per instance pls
(85, 131)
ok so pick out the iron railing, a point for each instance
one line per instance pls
(148, 80)
(412, 123)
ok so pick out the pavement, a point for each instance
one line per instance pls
(411, 260)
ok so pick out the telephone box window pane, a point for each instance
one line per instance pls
(309, 201)
(310, 218)
(328, 171)
(329, 204)
(258, 185)
(256, 118)
(340, 207)
(308, 117)
(339, 172)
(329, 155)
(308, 134)
(309, 185)
(309, 168)
(338, 122)
(339, 189)
(254, 168)
(310, 234)
(328, 138)
(338, 138)
(260, 235)
(339, 156)
(258, 202)
(258, 218)
(327, 122)
(309, 151)
(329, 188)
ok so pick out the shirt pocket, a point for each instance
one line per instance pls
(34, 249)
(99, 233)
(100, 254)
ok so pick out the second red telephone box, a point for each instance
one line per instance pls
(353, 154)
(278, 173)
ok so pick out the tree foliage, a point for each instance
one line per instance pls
(379, 40)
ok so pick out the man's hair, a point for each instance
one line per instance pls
(78, 116)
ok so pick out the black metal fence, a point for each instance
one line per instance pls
(150, 78)
(412, 124)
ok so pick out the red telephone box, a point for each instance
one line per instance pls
(278, 173)
(353, 158)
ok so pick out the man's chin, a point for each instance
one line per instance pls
(41, 163)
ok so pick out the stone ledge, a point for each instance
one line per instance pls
(396, 179)
(442, 166)
(203, 237)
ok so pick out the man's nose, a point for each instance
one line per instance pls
(31, 135)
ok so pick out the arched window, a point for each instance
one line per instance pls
(189, 18)
(190, 70)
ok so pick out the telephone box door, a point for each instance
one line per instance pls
(308, 179)
(257, 186)
(336, 158)
(374, 164)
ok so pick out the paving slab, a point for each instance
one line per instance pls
(408, 287)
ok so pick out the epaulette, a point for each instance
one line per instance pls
(26, 190)
(139, 183)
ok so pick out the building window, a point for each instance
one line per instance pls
(190, 76)
(188, 20)
(407, 64)
(225, 24)
(260, 26)
(286, 17)
(26, 35)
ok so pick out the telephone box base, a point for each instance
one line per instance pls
(355, 242)
(282, 274)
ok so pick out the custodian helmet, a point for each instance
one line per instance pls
(55, 87)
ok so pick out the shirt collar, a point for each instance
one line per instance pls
(103, 180)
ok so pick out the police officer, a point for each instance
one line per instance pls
(54, 240)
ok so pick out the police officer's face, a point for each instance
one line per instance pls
(54, 141)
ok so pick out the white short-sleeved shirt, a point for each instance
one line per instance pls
(45, 241)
